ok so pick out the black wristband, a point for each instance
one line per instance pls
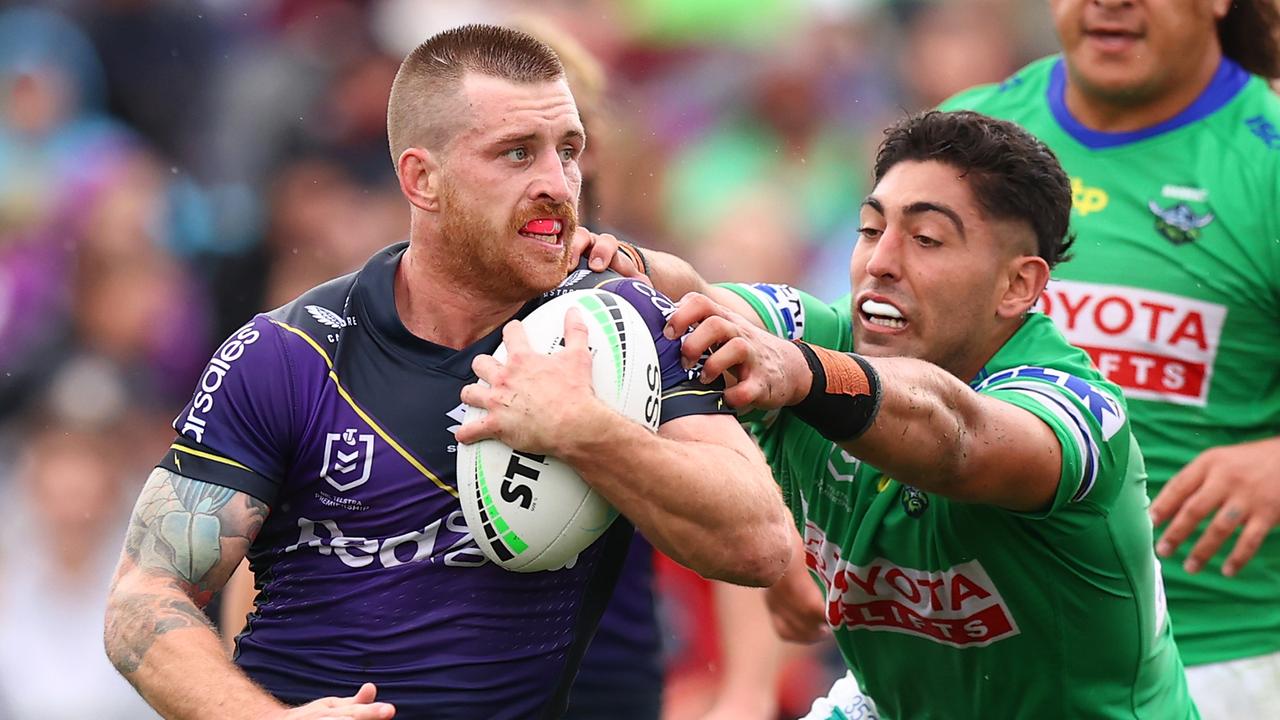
(636, 256)
(844, 396)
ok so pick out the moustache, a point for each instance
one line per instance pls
(565, 212)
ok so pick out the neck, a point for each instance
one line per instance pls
(969, 368)
(436, 306)
(1127, 112)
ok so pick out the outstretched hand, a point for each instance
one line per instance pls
(535, 402)
(1240, 485)
(602, 254)
(360, 706)
(768, 372)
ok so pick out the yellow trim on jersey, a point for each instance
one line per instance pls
(208, 456)
(690, 392)
(365, 416)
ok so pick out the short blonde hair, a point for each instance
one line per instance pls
(423, 109)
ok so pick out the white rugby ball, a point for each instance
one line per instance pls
(531, 512)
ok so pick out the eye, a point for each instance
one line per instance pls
(517, 154)
(568, 153)
(926, 241)
(869, 233)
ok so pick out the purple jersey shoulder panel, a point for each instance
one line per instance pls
(244, 418)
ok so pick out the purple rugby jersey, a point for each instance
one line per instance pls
(337, 417)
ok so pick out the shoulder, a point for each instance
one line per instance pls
(1252, 123)
(1025, 88)
(319, 313)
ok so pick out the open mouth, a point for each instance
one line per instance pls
(1111, 38)
(547, 230)
(882, 314)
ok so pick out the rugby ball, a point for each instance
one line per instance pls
(532, 512)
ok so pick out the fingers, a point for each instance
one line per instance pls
(1195, 509)
(580, 242)
(1176, 491)
(691, 310)
(575, 330)
(1224, 523)
(731, 353)
(711, 332)
(487, 368)
(1247, 545)
(515, 338)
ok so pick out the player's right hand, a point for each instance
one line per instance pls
(770, 372)
(360, 706)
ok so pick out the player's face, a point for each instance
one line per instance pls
(509, 185)
(1132, 51)
(929, 270)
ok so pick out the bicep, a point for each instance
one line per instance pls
(190, 533)
(1014, 459)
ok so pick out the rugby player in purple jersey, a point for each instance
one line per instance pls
(320, 443)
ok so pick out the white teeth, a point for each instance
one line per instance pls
(884, 310)
(886, 322)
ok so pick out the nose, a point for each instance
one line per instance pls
(884, 258)
(554, 180)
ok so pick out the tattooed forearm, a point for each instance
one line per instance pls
(181, 527)
(136, 621)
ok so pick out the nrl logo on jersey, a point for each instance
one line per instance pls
(1179, 224)
(348, 459)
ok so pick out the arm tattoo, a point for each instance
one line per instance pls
(180, 526)
(188, 534)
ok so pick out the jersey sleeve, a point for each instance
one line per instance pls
(237, 429)
(682, 393)
(1089, 421)
(796, 315)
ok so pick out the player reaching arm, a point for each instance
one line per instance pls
(184, 540)
(908, 417)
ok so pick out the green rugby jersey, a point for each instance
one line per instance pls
(1175, 293)
(951, 610)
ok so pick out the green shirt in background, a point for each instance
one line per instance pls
(1174, 291)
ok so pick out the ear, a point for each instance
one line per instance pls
(1220, 8)
(419, 173)
(1026, 278)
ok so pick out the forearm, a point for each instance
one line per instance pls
(714, 509)
(924, 428)
(673, 276)
(163, 644)
(184, 540)
(750, 653)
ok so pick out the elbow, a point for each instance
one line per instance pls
(759, 558)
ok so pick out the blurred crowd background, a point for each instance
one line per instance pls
(168, 168)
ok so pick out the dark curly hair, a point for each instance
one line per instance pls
(1013, 175)
(1250, 35)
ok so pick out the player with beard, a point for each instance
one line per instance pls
(321, 438)
(1160, 113)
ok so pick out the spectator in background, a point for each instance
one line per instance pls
(57, 155)
(1160, 114)
(766, 187)
(64, 513)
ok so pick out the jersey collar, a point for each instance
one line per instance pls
(1228, 80)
